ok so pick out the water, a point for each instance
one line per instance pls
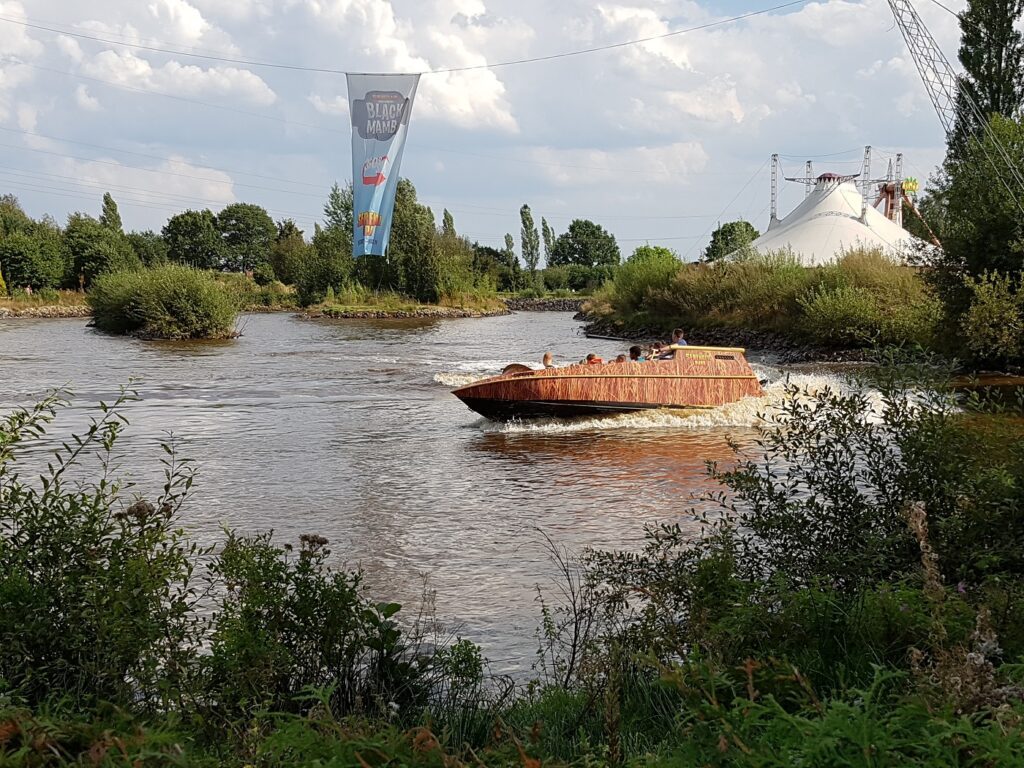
(348, 429)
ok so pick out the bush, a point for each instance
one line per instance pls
(168, 302)
(95, 591)
(847, 315)
(264, 274)
(555, 278)
(3, 286)
(648, 268)
(993, 324)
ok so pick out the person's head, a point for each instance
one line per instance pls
(620, 359)
(591, 357)
(548, 360)
(677, 334)
(635, 353)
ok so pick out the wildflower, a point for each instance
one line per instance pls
(962, 588)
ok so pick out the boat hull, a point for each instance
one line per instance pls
(699, 377)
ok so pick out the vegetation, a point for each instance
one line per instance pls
(169, 302)
(729, 238)
(863, 299)
(857, 600)
(586, 244)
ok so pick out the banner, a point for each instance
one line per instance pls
(380, 107)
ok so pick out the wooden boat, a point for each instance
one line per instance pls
(697, 377)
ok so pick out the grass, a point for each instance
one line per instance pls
(43, 298)
(359, 300)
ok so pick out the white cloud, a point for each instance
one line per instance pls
(640, 165)
(336, 106)
(85, 101)
(182, 20)
(69, 47)
(126, 68)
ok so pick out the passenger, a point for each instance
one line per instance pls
(593, 359)
(668, 351)
(620, 359)
(548, 360)
(636, 354)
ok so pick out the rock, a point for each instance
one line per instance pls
(544, 305)
(57, 310)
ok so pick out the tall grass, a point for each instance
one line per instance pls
(865, 297)
(167, 302)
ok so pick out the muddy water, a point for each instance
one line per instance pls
(348, 429)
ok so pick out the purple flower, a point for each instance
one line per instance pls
(962, 588)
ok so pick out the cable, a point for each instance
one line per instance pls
(446, 70)
(727, 206)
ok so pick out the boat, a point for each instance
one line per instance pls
(695, 378)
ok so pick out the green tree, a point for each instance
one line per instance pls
(586, 244)
(410, 267)
(447, 223)
(110, 217)
(94, 249)
(327, 263)
(248, 231)
(992, 55)
(530, 240)
(33, 258)
(729, 238)
(288, 251)
(338, 208)
(983, 227)
(149, 246)
(193, 238)
(12, 217)
(549, 239)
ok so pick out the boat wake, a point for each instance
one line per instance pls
(743, 413)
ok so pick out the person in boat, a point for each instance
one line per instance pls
(548, 360)
(593, 359)
(668, 351)
(636, 354)
(620, 359)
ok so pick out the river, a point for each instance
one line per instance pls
(348, 429)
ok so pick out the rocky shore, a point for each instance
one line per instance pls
(56, 310)
(544, 305)
(787, 349)
(373, 314)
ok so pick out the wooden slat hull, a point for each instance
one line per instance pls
(699, 377)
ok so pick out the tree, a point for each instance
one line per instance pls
(549, 239)
(410, 267)
(110, 217)
(12, 217)
(530, 240)
(193, 238)
(33, 258)
(338, 208)
(94, 249)
(586, 244)
(447, 223)
(327, 264)
(288, 251)
(248, 231)
(149, 246)
(728, 238)
(983, 228)
(993, 59)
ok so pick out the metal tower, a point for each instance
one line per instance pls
(775, 192)
(808, 178)
(943, 89)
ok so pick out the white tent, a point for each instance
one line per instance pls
(828, 222)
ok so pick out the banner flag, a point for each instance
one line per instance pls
(380, 107)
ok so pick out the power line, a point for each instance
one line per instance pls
(446, 70)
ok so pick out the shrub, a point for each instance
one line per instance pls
(95, 590)
(3, 286)
(647, 268)
(993, 324)
(168, 302)
(264, 274)
(555, 278)
(847, 315)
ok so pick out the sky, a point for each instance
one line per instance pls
(658, 142)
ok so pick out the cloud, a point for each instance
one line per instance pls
(640, 165)
(126, 68)
(85, 101)
(336, 106)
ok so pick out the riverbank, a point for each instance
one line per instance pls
(894, 632)
(48, 311)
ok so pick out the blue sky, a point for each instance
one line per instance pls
(656, 141)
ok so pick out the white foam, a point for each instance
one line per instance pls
(450, 379)
(743, 413)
